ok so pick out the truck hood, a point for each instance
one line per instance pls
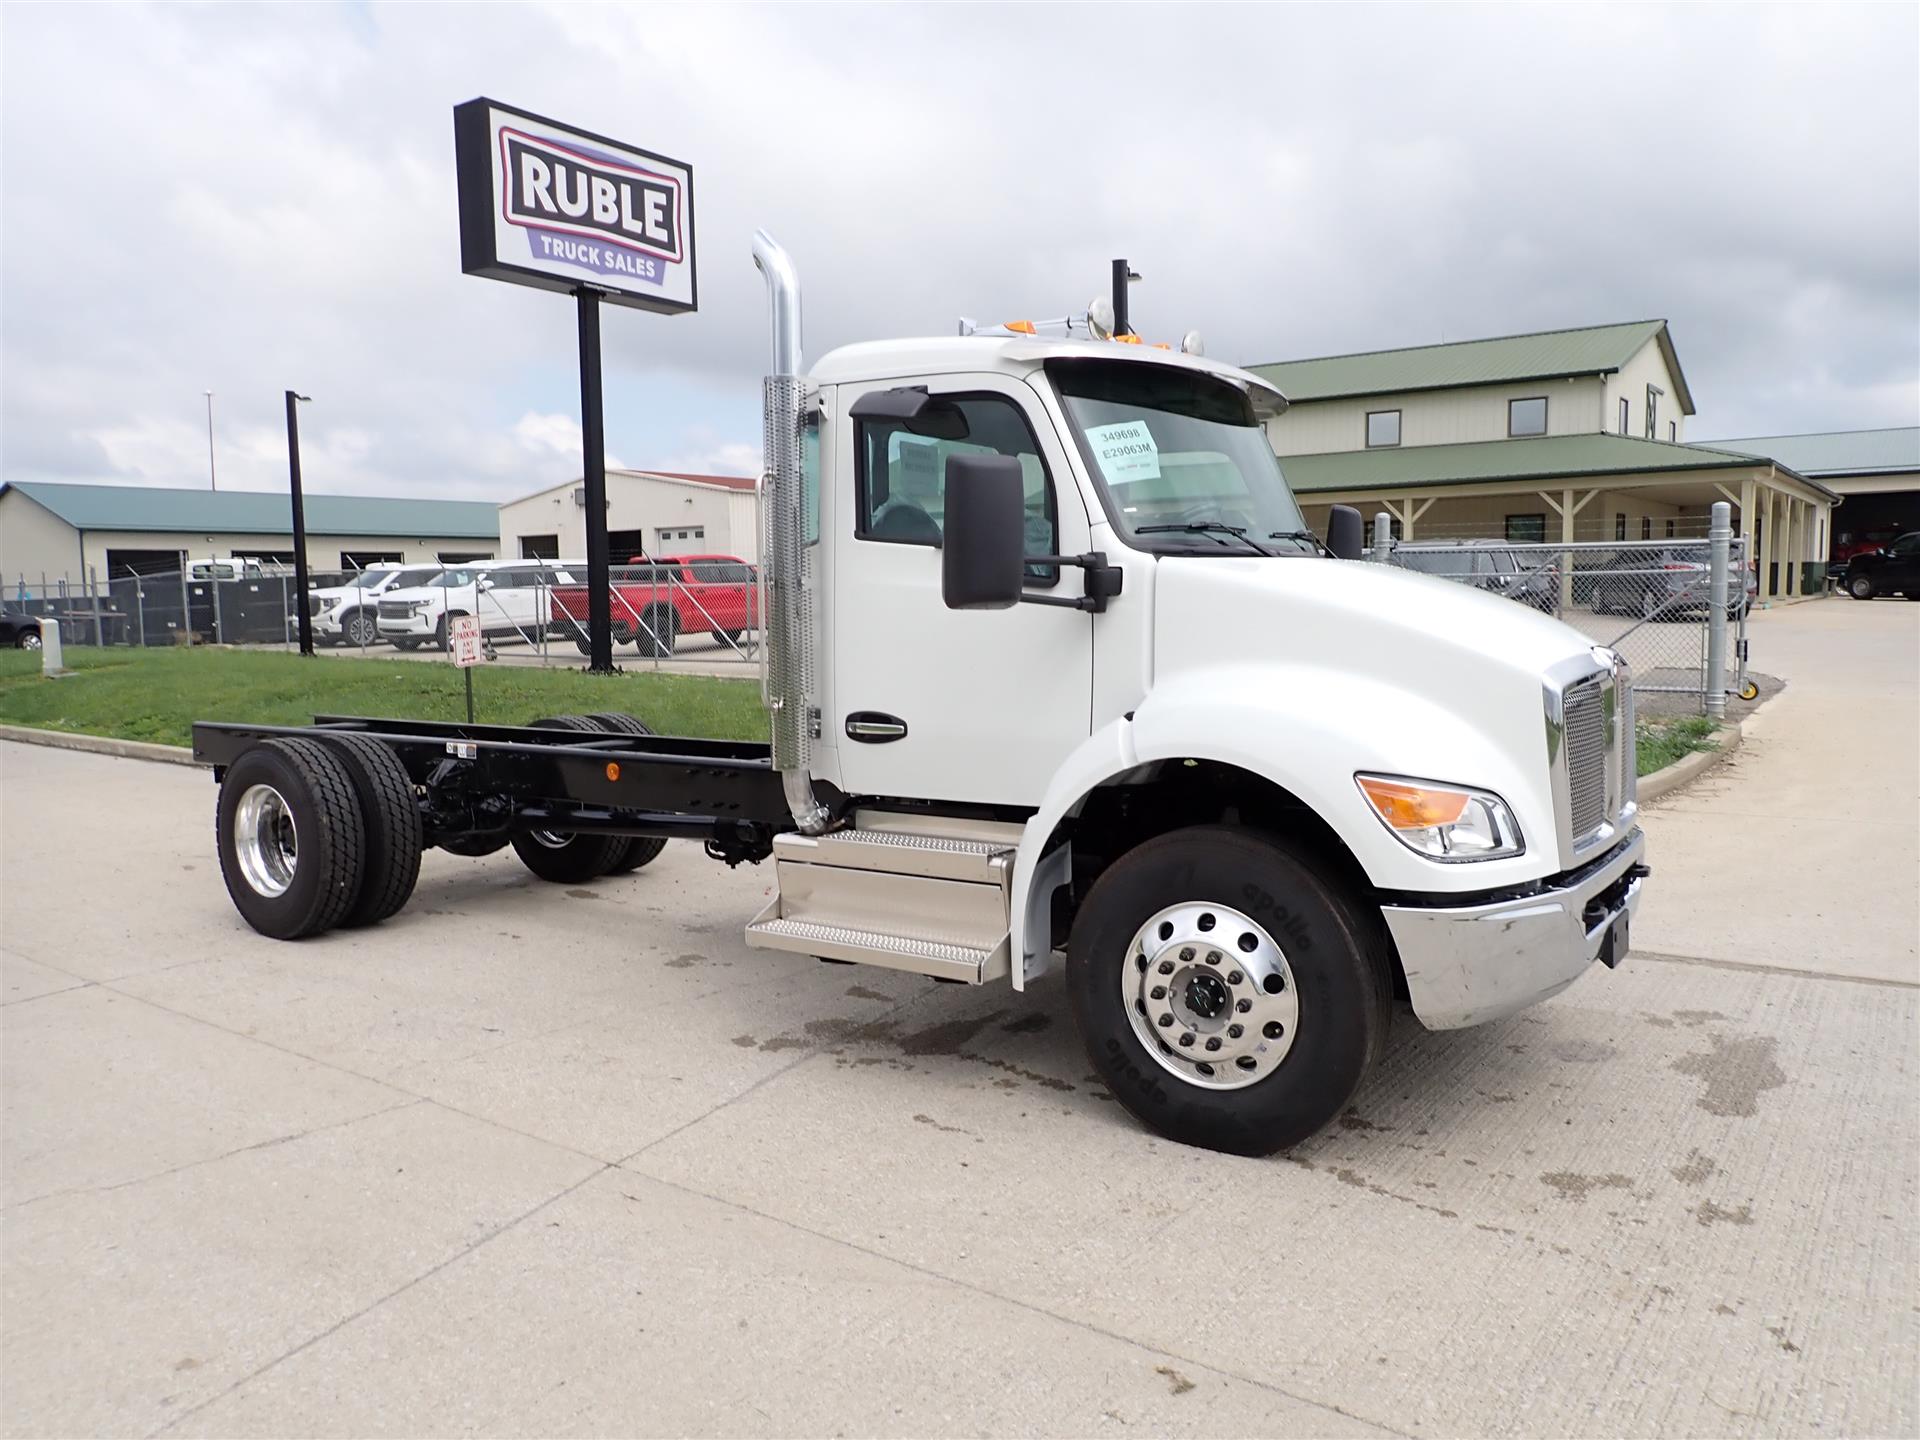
(1312, 670)
(1354, 614)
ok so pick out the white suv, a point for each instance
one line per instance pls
(346, 614)
(510, 597)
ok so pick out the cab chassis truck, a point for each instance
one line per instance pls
(1056, 678)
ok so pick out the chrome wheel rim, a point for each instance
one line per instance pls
(30, 641)
(265, 840)
(361, 631)
(1210, 995)
(552, 839)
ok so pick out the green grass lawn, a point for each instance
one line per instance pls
(1662, 742)
(158, 694)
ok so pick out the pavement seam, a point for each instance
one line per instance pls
(376, 1303)
(267, 1144)
(766, 1079)
(1027, 1305)
(1752, 968)
(49, 994)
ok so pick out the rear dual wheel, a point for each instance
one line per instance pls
(315, 833)
(566, 857)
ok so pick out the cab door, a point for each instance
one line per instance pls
(927, 702)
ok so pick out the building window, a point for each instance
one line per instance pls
(1619, 527)
(1646, 527)
(1623, 414)
(539, 547)
(361, 559)
(1526, 529)
(1673, 431)
(1654, 392)
(1383, 428)
(1527, 417)
(463, 557)
(1669, 529)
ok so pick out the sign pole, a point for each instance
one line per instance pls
(299, 526)
(594, 448)
(467, 670)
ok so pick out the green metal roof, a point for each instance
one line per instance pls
(258, 512)
(1544, 355)
(1837, 452)
(1548, 458)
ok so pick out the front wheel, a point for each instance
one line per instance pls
(1230, 995)
(361, 630)
(1860, 587)
(29, 640)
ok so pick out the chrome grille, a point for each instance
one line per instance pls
(395, 609)
(1587, 711)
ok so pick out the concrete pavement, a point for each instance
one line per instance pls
(1802, 851)
(537, 1159)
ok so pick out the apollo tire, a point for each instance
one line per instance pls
(1318, 943)
(391, 817)
(563, 857)
(640, 850)
(291, 839)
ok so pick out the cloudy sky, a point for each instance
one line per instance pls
(241, 199)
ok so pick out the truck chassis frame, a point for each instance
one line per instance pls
(481, 783)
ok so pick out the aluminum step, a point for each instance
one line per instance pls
(938, 958)
(896, 852)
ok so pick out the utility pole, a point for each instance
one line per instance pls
(213, 480)
(299, 523)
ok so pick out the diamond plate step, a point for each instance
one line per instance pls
(979, 862)
(892, 952)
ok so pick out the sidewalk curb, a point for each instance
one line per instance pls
(1690, 767)
(99, 745)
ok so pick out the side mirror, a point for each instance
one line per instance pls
(1345, 534)
(983, 544)
(486, 582)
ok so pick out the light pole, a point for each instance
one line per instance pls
(299, 521)
(213, 480)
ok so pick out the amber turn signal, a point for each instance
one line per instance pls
(1406, 806)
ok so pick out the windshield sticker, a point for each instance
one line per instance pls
(1126, 451)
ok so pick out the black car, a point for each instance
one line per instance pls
(19, 632)
(1892, 571)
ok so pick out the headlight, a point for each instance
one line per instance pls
(1443, 822)
(420, 607)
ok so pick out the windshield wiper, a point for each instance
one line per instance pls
(1212, 529)
(1307, 535)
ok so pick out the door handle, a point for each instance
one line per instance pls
(871, 727)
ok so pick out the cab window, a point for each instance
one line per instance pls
(903, 474)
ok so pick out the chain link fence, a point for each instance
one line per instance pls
(1652, 601)
(701, 617)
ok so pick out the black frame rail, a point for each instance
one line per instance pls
(491, 780)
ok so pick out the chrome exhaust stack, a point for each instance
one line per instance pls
(785, 611)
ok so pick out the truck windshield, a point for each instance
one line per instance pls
(1181, 459)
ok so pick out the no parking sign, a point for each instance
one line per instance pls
(463, 639)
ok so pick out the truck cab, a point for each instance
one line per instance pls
(1239, 789)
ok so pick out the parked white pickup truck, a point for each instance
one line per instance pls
(1057, 680)
(348, 614)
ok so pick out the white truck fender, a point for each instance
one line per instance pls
(1307, 731)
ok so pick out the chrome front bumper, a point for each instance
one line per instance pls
(1469, 964)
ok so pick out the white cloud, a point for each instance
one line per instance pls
(246, 198)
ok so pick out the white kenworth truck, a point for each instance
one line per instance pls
(1057, 679)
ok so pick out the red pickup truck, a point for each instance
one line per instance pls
(657, 600)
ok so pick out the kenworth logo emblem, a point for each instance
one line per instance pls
(544, 204)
